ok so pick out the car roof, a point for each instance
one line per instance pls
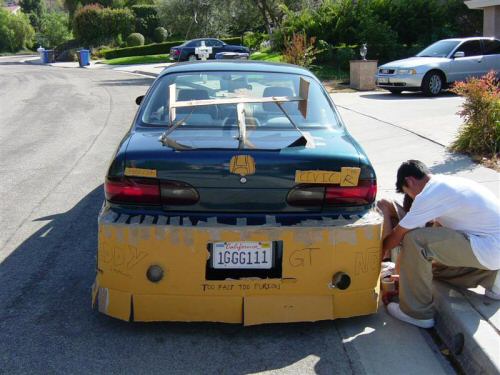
(194, 40)
(469, 38)
(237, 66)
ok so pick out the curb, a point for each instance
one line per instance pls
(472, 339)
(144, 73)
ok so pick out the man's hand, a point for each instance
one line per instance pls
(394, 238)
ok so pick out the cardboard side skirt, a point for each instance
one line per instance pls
(310, 254)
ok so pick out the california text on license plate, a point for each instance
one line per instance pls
(242, 255)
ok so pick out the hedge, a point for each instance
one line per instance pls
(341, 55)
(153, 49)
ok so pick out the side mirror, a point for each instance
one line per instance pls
(138, 100)
(459, 54)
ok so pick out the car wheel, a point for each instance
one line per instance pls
(432, 84)
(396, 91)
(192, 58)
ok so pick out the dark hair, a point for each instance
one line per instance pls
(410, 168)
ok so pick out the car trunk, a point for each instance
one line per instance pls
(207, 166)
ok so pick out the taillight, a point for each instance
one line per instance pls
(364, 193)
(178, 193)
(317, 195)
(306, 196)
(150, 191)
(133, 190)
(176, 52)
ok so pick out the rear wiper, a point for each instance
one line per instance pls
(302, 141)
(164, 138)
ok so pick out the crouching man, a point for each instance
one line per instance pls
(465, 244)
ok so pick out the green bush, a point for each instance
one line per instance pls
(88, 24)
(103, 3)
(480, 134)
(53, 30)
(277, 39)
(148, 49)
(119, 22)
(94, 25)
(16, 32)
(160, 35)
(135, 39)
(153, 49)
(146, 19)
(69, 44)
(325, 52)
(342, 55)
(253, 40)
(236, 40)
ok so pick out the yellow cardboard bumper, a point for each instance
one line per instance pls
(312, 253)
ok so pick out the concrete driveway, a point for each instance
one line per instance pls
(393, 129)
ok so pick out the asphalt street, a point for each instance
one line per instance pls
(58, 130)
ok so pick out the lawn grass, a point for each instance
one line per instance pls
(267, 56)
(131, 60)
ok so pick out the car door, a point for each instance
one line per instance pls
(217, 46)
(469, 65)
(491, 57)
(189, 50)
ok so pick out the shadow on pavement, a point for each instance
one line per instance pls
(452, 164)
(47, 325)
(15, 63)
(405, 95)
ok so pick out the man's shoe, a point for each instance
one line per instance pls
(491, 294)
(395, 311)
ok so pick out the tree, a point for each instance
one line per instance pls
(16, 32)
(53, 29)
(146, 19)
(72, 6)
(94, 25)
(35, 9)
(202, 18)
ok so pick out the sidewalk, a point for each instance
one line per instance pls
(151, 70)
(392, 129)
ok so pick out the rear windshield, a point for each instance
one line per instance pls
(220, 85)
(439, 49)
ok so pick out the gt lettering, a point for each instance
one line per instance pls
(302, 257)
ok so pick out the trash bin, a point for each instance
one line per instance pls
(48, 56)
(45, 58)
(83, 57)
(40, 52)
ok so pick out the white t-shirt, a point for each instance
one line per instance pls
(465, 206)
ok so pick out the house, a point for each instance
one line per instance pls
(491, 20)
(12, 6)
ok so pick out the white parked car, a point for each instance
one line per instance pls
(441, 64)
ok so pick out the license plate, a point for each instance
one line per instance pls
(242, 255)
(383, 80)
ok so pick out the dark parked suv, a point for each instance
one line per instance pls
(186, 51)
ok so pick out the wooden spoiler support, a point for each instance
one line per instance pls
(173, 104)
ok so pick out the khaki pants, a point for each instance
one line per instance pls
(458, 266)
